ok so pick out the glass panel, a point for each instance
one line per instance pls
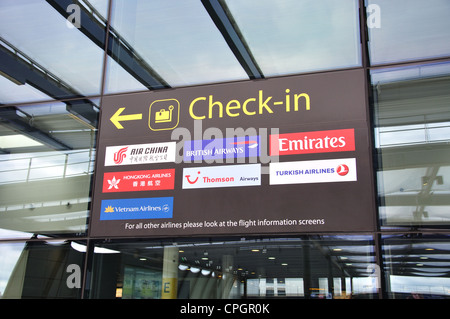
(35, 270)
(294, 36)
(42, 56)
(412, 117)
(46, 164)
(417, 266)
(174, 42)
(408, 29)
(316, 267)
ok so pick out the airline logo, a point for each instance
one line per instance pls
(313, 142)
(136, 208)
(320, 171)
(133, 181)
(236, 147)
(140, 154)
(222, 176)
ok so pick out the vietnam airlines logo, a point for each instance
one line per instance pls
(188, 178)
(109, 209)
(120, 155)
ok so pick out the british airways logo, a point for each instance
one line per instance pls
(215, 149)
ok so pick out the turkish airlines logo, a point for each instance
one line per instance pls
(342, 170)
(120, 155)
(316, 171)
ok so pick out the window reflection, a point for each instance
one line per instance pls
(40, 270)
(42, 57)
(412, 133)
(317, 267)
(184, 49)
(410, 29)
(417, 266)
(294, 36)
(47, 160)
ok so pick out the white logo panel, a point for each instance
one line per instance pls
(222, 176)
(320, 171)
(140, 154)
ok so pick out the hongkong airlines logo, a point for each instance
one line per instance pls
(120, 155)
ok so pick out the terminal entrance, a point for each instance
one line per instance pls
(322, 267)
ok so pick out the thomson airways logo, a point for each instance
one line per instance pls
(222, 176)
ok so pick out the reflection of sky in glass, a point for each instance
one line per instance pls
(39, 31)
(292, 36)
(410, 29)
(178, 39)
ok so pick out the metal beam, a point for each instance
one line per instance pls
(235, 40)
(118, 49)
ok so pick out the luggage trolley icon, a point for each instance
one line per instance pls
(164, 115)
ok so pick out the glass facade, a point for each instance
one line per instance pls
(60, 58)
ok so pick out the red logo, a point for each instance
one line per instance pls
(135, 181)
(189, 179)
(342, 170)
(120, 155)
(312, 142)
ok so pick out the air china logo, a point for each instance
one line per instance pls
(222, 176)
(320, 171)
(120, 155)
(221, 148)
(313, 142)
(140, 154)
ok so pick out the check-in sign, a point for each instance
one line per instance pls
(222, 176)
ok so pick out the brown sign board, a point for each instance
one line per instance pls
(272, 156)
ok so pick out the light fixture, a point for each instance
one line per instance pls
(206, 272)
(195, 270)
(17, 140)
(183, 267)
